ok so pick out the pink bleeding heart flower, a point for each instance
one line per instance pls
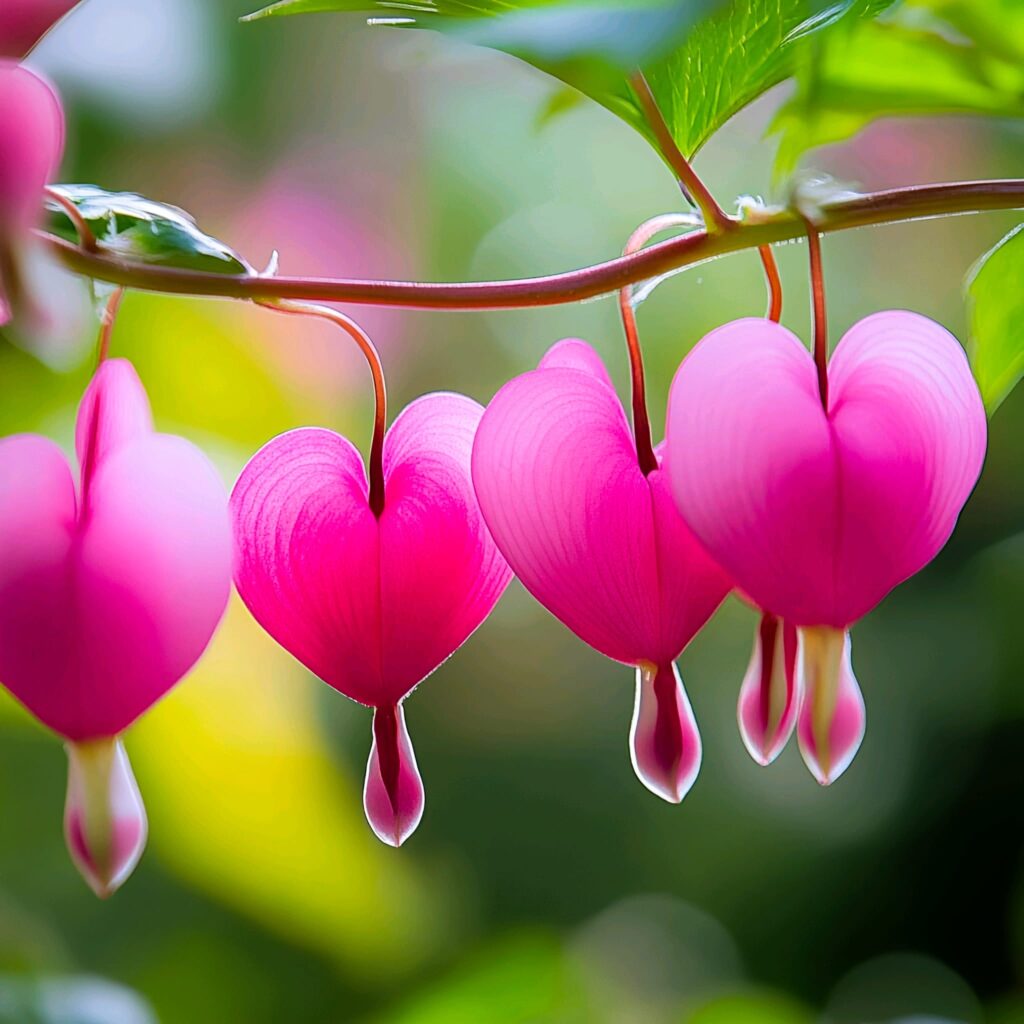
(23, 22)
(817, 514)
(108, 595)
(372, 605)
(31, 145)
(600, 544)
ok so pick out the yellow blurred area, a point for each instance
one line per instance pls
(247, 803)
(200, 369)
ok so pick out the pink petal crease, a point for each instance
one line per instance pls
(108, 596)
(817, 516)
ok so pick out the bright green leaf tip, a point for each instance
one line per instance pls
(995, 299)
(129, 225)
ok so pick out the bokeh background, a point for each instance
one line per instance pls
(544, 884)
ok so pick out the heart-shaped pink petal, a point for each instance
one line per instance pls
(371, 607)
(600, 545)
(106, 602)
(817, 517)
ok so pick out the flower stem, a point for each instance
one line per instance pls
(362, 339)
(818, 311)
(917, 202)
(641, 419)
(715, 218)
(86, 239)
(771, 273)
(107, 320)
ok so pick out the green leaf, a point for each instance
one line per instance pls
(130, 226)
(704, 59)
(995, 298)
(878, 69)
(737, 55)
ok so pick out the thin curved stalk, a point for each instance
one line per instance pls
(888, 207)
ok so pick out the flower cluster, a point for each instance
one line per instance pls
(809, 495)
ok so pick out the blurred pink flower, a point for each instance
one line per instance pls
(31, 144)
(371, 605)
(22, 22)
(322, 223)
(818, 514)
(600, 544)
(108, 596)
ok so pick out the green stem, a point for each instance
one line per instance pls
(715, 218)
(903, 204)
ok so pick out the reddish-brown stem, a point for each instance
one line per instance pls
(86, 239)
(641, 419)
(362, 339)
(917, 202)
(771, 273)
(715, 218)
(107, 319)
(818, 311)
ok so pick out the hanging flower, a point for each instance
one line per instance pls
(599, 543)
(370, 603)
(31, 144)
(818, 513)
(109, 593)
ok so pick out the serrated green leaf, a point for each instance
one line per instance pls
(881, 69)
(995, 298)
(737, 55)
(704, 59)
(130, 226)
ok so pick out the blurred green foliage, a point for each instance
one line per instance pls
(704, 59)
(995, 292)
(930, 57)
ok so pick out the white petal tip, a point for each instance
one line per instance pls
(105, 823)
(393, 795)
(664, 743)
